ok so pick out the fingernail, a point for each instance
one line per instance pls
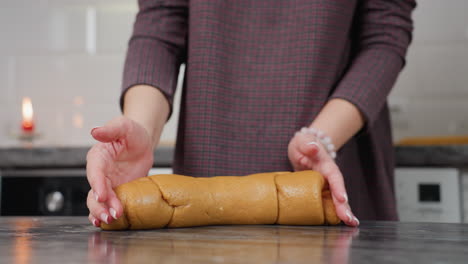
(104, 217)
(313, 143)
(345, 197)
(95, 223)
(348, 214)
(356, 220)
(96, 196)
(94, 128)
(113, 213)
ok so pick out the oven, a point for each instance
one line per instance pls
(35, 192)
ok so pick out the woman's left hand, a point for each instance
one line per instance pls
(307, 153)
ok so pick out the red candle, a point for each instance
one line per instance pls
(27, 124)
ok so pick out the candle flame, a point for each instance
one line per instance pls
(28, 112)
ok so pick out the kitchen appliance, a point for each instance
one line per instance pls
(429, 194)
(51, 191)
(44, 192)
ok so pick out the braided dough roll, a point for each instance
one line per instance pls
(171, 200)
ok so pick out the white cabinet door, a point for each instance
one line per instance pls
(428, 194)
(464, 194)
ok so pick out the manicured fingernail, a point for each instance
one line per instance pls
(95, 223)
(348, 214)
(345, 197)
(96, 196)
(313, 143)
(113, 213)
(94, 128)
(104, 217)
(356, 220)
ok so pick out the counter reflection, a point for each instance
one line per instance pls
(22, 247)
(244, 244)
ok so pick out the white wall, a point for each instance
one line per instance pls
(431, 95)
(67, 55)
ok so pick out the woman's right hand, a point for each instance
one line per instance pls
(124, 153)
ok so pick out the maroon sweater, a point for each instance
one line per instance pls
(259, 70)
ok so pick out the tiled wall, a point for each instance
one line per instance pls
(68, 57)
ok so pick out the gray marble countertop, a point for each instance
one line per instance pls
(75, 157)
(74, 240)
(63, 157)
(436, 156)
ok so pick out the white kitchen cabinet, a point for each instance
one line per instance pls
(429, 194)
(0, 190)
(464, 194)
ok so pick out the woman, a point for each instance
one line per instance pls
(257, 71)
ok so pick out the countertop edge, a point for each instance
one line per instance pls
(432, 156)
(75, 157)
(64, 157)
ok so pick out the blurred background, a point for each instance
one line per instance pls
(67, 57)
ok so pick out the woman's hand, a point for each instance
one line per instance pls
(307, 153)
(124, 152)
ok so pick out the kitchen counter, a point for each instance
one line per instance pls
(63, 157)
(74, 240)
(67, 157)
(432, 156)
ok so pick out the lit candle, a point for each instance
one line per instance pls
(27, 123)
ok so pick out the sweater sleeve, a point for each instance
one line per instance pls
(157, 46)
(384, 32)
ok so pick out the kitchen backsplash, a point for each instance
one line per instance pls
(68, 57)
(430, 97)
